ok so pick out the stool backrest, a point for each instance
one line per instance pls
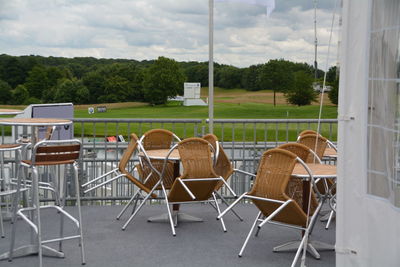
(54, 152)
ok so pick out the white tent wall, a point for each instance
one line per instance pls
(368, 232)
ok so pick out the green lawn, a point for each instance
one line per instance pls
(221, 111)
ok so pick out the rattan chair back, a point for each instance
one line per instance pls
(157, 139)
(308, 132)
(223, 166)
(123, 164)
(152, 140)
(273, 175)
(294, 188)
(197, 163)
(316, 142)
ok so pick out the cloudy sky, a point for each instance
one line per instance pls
(146, 29)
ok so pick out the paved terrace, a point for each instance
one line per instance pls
(152, 244)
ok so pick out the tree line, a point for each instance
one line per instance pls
(84, 80)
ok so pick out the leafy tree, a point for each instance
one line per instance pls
(331, 76)
(163, 79)
(334, 93)
(32, 100)
(5, 92)
(20, 95)
(12, 71)
(251, 78)
(71, 91)
(302, 92)
(94, 82)
(37, 81)
(228, 77)
(198, 73)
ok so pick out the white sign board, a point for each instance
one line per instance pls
(192, 90)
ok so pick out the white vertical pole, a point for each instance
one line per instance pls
(211, 66)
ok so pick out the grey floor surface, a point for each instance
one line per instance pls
(152, 244)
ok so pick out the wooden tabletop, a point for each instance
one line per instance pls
(330, 152)
(318, 170)
(5, 111)
(34, 121)
(162, 154)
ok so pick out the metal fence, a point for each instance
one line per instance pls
(243, 140)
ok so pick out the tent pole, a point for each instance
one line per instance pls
(211, 66)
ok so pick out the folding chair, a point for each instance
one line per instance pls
(50, 153)
(275, 206)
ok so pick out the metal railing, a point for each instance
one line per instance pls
(243, 140)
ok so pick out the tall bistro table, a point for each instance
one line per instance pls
(33, 247)
(319, 171)
(161, 154)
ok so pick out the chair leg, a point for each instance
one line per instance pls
(61, 203)
(140, 206)
(128, 204)
(14, 216)
(169, 210)
(35, 195)
(1, 223)
(331, 216)
(227, 204)
(78, 201)
(258, 229)
(249, 234)
(219, 212)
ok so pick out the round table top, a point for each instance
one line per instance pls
(162, 154)
(5, 111)
(330, 152)
(34, 121)
(318, 170)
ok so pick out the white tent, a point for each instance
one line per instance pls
(368, 208)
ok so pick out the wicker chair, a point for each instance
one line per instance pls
(294, 188)
(318, 144)
(306, 132)
(269, 195)
(198, 180)
(118, 172)
(154, 140)
(154, 172)
(223, 168)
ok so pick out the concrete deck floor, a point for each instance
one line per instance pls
(152, 244)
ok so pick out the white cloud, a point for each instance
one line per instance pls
(146, 29)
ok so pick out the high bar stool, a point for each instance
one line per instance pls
(5, 185)
(49, 153)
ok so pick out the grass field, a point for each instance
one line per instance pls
(228, 104)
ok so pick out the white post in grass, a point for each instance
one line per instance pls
(211, 66)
